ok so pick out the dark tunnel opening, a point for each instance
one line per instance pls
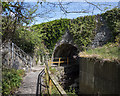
(71, 70)
(66, 50)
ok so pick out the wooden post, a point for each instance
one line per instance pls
(50, 62)
(59, 62)
(46, 73)
(50, 85)
(67, 60)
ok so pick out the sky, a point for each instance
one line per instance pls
(54, 12)
(49, 12)
(73, 0)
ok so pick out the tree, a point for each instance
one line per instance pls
(14, 15)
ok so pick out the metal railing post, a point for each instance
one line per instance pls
(12, 53)
(40, 87)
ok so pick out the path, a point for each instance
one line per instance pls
(29, 83)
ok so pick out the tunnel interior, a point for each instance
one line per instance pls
(71, 71)
(64, 51)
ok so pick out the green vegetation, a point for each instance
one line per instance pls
(29, 40)
(52, 70)
(14, 15)
(11, 80)
(41, 38)
(112, 18)
(71, 92)
(54, 91)
(109, 51)
(52, 31)
(83, 29)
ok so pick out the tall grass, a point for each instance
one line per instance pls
(109, 51)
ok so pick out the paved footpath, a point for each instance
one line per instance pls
(29, 82)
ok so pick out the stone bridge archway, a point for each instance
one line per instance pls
(70, 73)
(65, 50)
(65, 47)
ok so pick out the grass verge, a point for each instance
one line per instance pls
(110, 51)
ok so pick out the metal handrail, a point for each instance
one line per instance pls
(39, 83)
(50, 79)
(25, 57)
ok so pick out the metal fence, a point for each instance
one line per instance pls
(13, 53)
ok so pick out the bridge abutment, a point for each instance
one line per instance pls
(98, 76)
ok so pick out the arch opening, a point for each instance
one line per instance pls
(66, 51)
(70, 75)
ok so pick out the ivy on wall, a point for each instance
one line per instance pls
(52, 31)
(112, 18)
(83, 30)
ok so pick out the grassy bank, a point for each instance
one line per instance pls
(110, 51)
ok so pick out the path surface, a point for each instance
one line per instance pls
(29, 83)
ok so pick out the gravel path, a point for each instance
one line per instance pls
(29, 83)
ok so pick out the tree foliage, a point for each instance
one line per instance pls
(112, 18)
(15, 18)
(14, 15)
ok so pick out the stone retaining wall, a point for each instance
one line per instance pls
(99, 76)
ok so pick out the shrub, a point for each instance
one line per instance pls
(11, 80)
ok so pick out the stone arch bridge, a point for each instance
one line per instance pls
(87, 75)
